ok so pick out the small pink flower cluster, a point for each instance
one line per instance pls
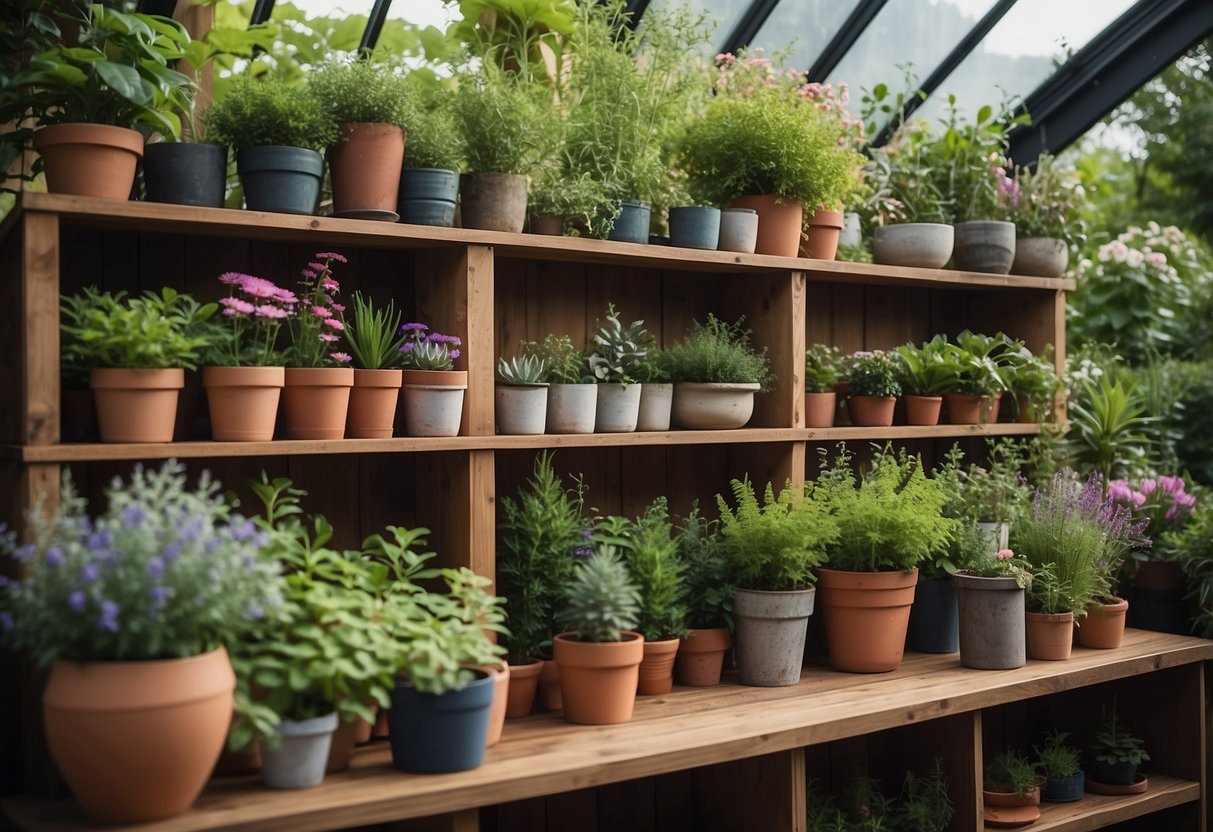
(1163, 501)
(1005, 554)
(314, 331)
(261, 297)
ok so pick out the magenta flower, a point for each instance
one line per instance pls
(236, 306)
(341, 357)
(333, 323)
(268, 311)
(331, 255)
(328, 338)
(330, 285)
(259, 287)
(320, 312)
(233, 278)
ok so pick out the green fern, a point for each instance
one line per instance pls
(777, 544)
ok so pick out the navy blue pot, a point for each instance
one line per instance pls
(433, 734)
(632, 224)
(427, 196)
(281, 179)
(182, 173)
(934, 620)
(695, 227)
(1064, 789)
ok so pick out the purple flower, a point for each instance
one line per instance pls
(171, 552)
(109, 617)
(155, 568)
(414, 327)
(160, 596)
(54, 556)
(77, 601)
(133, 515)
(243, 531)
(90, 572)
(331, 255)
(25, 553)
(6, 622)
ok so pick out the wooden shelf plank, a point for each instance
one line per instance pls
(1100, 811)
(692, 727)
(164, 218)
(918, 432)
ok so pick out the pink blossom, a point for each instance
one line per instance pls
(331, 255)
(330, 284)
(270, 311)
(1147, 486)
(328, 338)
(337, 307)
(341, 357)
(333, 323)
(1120, 491)
(320, 312)
(308, 274)
(1005, 554)
(237, 306)
(286, 296)
(259, 287)
(233, 278)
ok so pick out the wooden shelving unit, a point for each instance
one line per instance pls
(493, 290)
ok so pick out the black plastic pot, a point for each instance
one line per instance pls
(427, 196)
(439, 733)
(185, 174)
(632, 224)
(695, 227)
(934, 620)
(281, 179)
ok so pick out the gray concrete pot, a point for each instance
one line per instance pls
(655, 402)
(521, 409)
(984, 246)
(1040, 257)
(572, 408)
(771, 629)
(738, 230)
(851, 234)
(618, 408)
(992, 633)
(924, 245)
(494, 201)
(298, 759)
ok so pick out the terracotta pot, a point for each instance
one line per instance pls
(964, 408)
(657, 667)
(433, 401)
(364, 167)
(779, 223)
(372, 409)
(365, 731)
(382, 728)
(990, 406)
(136, 741)
(136, 405)
(1103, 627)
(1008, 799)
(598, 680)
(89, 159)
(502, 677)
(1050, 635)
(866, 615)
(922, 410)
(524, 683)
(550, 225)
(243, 402)
(712, 406)
(821, 241)
(549, 686)
(493, 201)
(871, 411)
(1040, 257)
(341, 749)
(819, 409)
(316, 401)
(700, 657)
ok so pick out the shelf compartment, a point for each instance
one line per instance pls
(1098, 812)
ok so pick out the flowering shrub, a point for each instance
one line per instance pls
(1001, 564)
(316, 326)
(426, 350)
(165, 572)
(1049, 201)
(255, 309)
(873, 373)
(1162, 504)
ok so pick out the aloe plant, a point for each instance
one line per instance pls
(521, 371)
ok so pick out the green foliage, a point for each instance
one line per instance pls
(267, 111)
(565, 363)
(1192, 548)
(1055, 758)
(431, 137)
(1107, 428)
(619, 352)
(373, 333)
(152, 331)
(708, 584)
(1010, 771)
(1114, 744)
(924, 371)
(363, 90)
(718, 352)
(902, 181)
(776, 544)
(540, 528)
(1050, 202)
(602, 598)
(651, 551)
(975, 154)
(874, 373)
(821, 368)
(1034, 379)
(581, 200)
(925, 804)
(522, 36)
(975, 362)
(520, 371)
(500, 121)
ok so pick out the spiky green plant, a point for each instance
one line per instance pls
(603, 600)
(373, 333)
(619, 351)
(521, 371)
(651, 552)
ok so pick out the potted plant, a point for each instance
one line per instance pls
(1011, 789)
(1060, 764)
(716, 371)
(991, 600)
(1116, 754)
(709, 591)
(433, 388)
(888, 522)
(773, 548)
(572, 391)
(139, 349)
(80, 101)
(277, 129)
(617, 354)
(563, 203)
(975, 379)
(244, 372)
(874, 388)
(925, 804)
(1046, 218)
(820, 382)
(924, 374)
(656, 389)
(132, 610)
(599, 655)
(521, 395)
(429, 181)
(374, 337)
(1032, 382)
(366, 97)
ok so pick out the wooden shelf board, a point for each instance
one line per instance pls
(918, 432)
(1100, 811)
(164, 218)
(692, 727)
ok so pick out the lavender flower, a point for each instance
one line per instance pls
(109, 617)
(77, 601)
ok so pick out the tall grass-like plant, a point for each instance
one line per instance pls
(500, 121)
(268, 111)
(373, 333)
(718, 352)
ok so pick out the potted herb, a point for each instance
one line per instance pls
(429, 181)
(599, 655)
(1116, 754)
(539, 530)
(976, 379)
(1060, 764)
(874, 388)
(1033, 384)
(708, 588)
(374, 338)
(888, 522)
(367, 98)
(139, 349)
(277, 129)
(716, 371)
(433, 388)
(561, 203)
(572, 391)
(617, 354)
(521, 395)
(821, 376)
(924, 374)
(656, 389)
(1011, 783)
(132, 610)
(1046, 218)
(925, 804)
(773, 548)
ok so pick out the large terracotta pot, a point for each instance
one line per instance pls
(657, 667)
(871, 411)
(598, 679)
(779, 223)
(136, 405)
(316, 401)
(866, 615)
(821, 241)
(922, 410)
(493, 201)
(364, 166)
(1103, 627)
(700, 657)
(524, 683)
(433, 401)
(819, 409)
(372, 409)
(243, 402)
(89, 159)
(136, 741)
(1050, 635)
(549, 686)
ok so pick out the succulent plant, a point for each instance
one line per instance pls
(603, 600)
(619, 352)
(521, 371)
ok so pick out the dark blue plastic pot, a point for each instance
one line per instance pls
(1064, 789)
(632, 224)
(432, 734)
(281, 179)
(695, 227)
(934, 621)
(185, 174)
(427, 196)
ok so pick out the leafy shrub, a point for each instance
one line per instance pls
(263, 112)
(361, 90)
(717, 352)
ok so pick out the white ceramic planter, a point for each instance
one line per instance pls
(521, 410)
(572, 408)
(851, 234)
(712, 406)
(618, 408)
(926, 245)
(433, 401)
(738, 230)
(297, 760)
(655, 403)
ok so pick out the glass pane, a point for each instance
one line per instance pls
(722, 14)
(803, 27)
(1022, 51)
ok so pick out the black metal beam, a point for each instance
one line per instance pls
(864, 13)
(748, 25)
(1119, 60)
(947, 66)
(374, 25)
(262, 9)
(635, 10)
(164, 8)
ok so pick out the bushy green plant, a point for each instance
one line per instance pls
(975, 153)
(1055, 758)
(579, 199)
(873, 373)
(521, 371)
(1050, 201)
(925, 804)
(565, 363)
(719, 352)
(821, 368)
(618, 352)
(1032, 381)
(431, 137)
(651, 551)
(268, 111)
(924, 371)
(373, 333)
(152, 331)
(1114, 744)
(1107, 428)
(706, 577)
(1192, 549)
(1010, 771)
(361, 90)
(602, 600)
(776, 544)
(499, 120)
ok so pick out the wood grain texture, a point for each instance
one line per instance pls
(39, 393)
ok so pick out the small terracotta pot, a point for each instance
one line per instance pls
(700, 657)
(365, 165)
(964, 408)
(821, 241)
(866, 616)
(502, 677)
(89, 159)
(364, 731)
(657, 667)
(243, 402)
(1050, 635)
(549, 686)
(382, 728)
(598, 679)
(871, 411)
(922, 410)
(819, 409)
(341, 750)
(550, 225)
(779, 223)
(372, 409)
(1103, 627)
(990, 407)
(136, 405)
(316, 401)
(1009, 799)
(524, 683)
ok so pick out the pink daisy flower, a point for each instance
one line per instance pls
(333, 323)
(341, 357)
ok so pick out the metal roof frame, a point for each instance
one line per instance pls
(748, 25)
(857, 21)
